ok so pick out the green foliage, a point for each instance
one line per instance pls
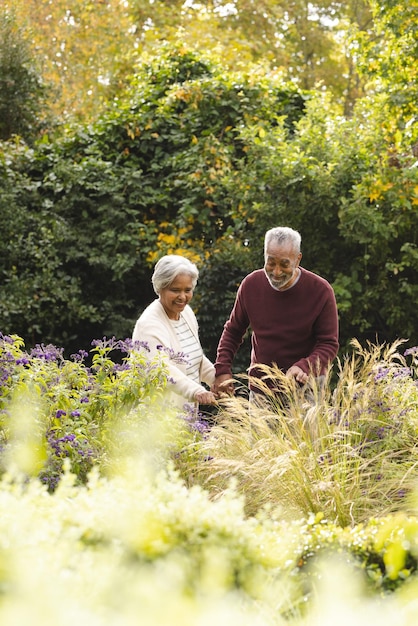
(226, 264)
(385, 549)
(388, 55)
(378, 222)
(105, 201)
(100, 440)
(41, 298)
(196, 160)
(356, 212)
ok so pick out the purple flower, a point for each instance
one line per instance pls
(66, 438)
(60, 413)
(23, 361)
(75, 413)
(105, 343)
(121, 367)
(79, 356)
(6, 338)
(381, 374)
(403, 372)
(177, 357)
(137, 345)
(411, 351)
(47, 353)
(200, 426)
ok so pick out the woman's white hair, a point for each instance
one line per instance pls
(282, 235)
(169, 267)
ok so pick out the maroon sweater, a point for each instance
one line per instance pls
(298, 326)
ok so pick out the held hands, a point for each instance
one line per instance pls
(205, 397)
(223, 386)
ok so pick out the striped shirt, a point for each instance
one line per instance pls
(191, 348)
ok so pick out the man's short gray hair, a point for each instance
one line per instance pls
(283, 235)
(169, 267)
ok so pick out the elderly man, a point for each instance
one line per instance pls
(291, 312)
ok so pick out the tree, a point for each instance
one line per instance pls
(355, 208)
(196, 159)
(22, 92)
(307, 42)
(389, 53)
(89, 47)
(84, 48)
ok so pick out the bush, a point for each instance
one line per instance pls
(66, 409)
(88, 481)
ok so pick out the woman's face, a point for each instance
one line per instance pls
(175, 297)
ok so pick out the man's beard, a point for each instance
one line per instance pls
(281, 282)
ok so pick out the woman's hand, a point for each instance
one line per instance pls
(205, 397)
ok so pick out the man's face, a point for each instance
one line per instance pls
(281, 263)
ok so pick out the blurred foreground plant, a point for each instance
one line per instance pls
(171, 556)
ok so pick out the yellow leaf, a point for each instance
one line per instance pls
(131, 133)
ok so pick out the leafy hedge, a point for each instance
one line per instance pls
(150, 538)
(99, 204)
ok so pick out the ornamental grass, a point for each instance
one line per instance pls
(348, 451)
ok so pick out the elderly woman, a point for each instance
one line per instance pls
(169, 325)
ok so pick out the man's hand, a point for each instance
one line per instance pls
(223, 385)
(298, 374)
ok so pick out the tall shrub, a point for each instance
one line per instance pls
(146, 179)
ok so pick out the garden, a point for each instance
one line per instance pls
(302, 512)
(134, 129)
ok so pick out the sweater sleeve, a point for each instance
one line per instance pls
(154, 333)
(326, 339)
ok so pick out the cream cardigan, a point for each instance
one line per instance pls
(154, 328)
